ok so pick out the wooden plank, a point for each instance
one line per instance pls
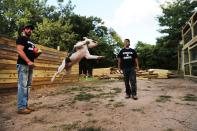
(39, 83)
(40, 79)
(35, 74)
(8, 57)
(101, 71)
(7, 71)
(8, 85)
(8, 80)
(5, 61)
(8, 48)
(7, 41)
(13, 66)
(46, 66)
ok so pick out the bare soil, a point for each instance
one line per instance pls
(163, 105)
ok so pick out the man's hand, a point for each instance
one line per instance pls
(30, 64)
(137, 68)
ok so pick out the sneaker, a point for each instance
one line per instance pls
(134, 97)
(24, 111)
(127, 96)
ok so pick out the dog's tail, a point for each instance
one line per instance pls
(60, 69)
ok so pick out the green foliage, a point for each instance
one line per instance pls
(91, 128)
(163, 99)
(146, 55)
(190, 97)
(58, 26)
(15, 13)
(165, 53)
(175, 15)
(84, 96)
(53, 34)
(118, 104)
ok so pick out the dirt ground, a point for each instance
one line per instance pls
(163, 105)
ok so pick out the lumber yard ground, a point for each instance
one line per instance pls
(99, 105)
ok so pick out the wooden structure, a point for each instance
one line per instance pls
(114, 73)
(189, 50)
(46, 66)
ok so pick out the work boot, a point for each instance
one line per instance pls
(134, 97)
(127, 96)
(30, 109)
(24, 111)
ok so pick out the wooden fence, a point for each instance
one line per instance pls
(46, 66)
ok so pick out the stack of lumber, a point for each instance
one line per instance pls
(113, 73)
(46, 65)
(145, 74)
(155, 73)
(160, 72)
(107, 73)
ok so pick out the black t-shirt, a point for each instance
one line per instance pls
(28, 49)
(127, 56)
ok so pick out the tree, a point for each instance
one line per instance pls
(175, 15)
(15, 13)
(53, 34)
(58, 26)
(145, 55)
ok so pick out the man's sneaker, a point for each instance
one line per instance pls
(24, 111)
(127, 96)
(134, 97)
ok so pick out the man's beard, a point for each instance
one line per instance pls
(28, 34)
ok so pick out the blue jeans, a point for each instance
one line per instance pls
(130, 81)
(24, 84)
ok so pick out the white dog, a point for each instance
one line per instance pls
(81, 51)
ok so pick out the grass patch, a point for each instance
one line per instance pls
(117, 90)
(163, 99)
(111, 100)
(190, 97)
(84, 96)
(83, 79)
(38, 119)
(108, 105)
(107, 95)
(188, 104)
(71, 90)
(91, 129)
(82, 88)
(89, 114)
(68, 127)
(118, 104)
(91, 122)
(141, 110)
(1, 111)
(169, 129)
(71, 102)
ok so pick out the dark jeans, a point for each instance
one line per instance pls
(130, 81)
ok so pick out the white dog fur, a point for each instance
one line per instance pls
(81, 48)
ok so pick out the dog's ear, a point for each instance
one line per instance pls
(85, 38)
(87, 42)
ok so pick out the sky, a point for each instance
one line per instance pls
(133, 19)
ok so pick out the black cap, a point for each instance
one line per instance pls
(28, 26)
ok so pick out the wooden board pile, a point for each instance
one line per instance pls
(113, 73)
(155, 73)
(107, 73)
